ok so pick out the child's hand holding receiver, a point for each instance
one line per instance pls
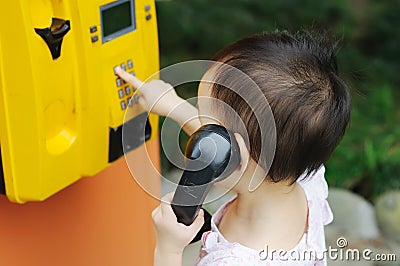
(160, 98)
(172, 237)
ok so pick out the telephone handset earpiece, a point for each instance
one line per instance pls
(212, 154)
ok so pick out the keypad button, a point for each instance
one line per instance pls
(147, 8)
(123, 105)
(148, 16)
(132, 73)
(130, 64)
(118, 81)
(136, 98)
(95, 38)
(130, 102)
(127, 90)
(93, 29)
(121, 94)
(123, 66)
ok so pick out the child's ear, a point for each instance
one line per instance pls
(244, 153)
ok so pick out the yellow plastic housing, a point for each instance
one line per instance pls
(55, 115)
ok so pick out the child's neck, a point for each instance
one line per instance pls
(265, 200)
(273, 214)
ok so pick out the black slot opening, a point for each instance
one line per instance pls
(135, 128)
(2, 184)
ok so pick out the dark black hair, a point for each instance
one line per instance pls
(310, 103)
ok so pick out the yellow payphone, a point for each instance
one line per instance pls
(61, 105)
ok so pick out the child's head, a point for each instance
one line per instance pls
(310, 103)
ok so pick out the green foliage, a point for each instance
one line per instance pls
(368, 159)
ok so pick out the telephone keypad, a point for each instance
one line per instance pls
(124, 91)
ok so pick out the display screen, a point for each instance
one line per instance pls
(117, 19)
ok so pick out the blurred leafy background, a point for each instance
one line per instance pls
(368, 159)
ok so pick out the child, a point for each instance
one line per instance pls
(282, 221)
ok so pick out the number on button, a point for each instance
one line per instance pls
(121, 94)
(118, 82)
(130, 64)
(123, 105)
(127, 90)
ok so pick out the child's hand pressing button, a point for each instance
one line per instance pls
(156, 96)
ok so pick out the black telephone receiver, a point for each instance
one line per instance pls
(212, 154)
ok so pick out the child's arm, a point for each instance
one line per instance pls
(172, 237)
(160, 98)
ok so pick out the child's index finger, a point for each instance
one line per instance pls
(128, 77)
